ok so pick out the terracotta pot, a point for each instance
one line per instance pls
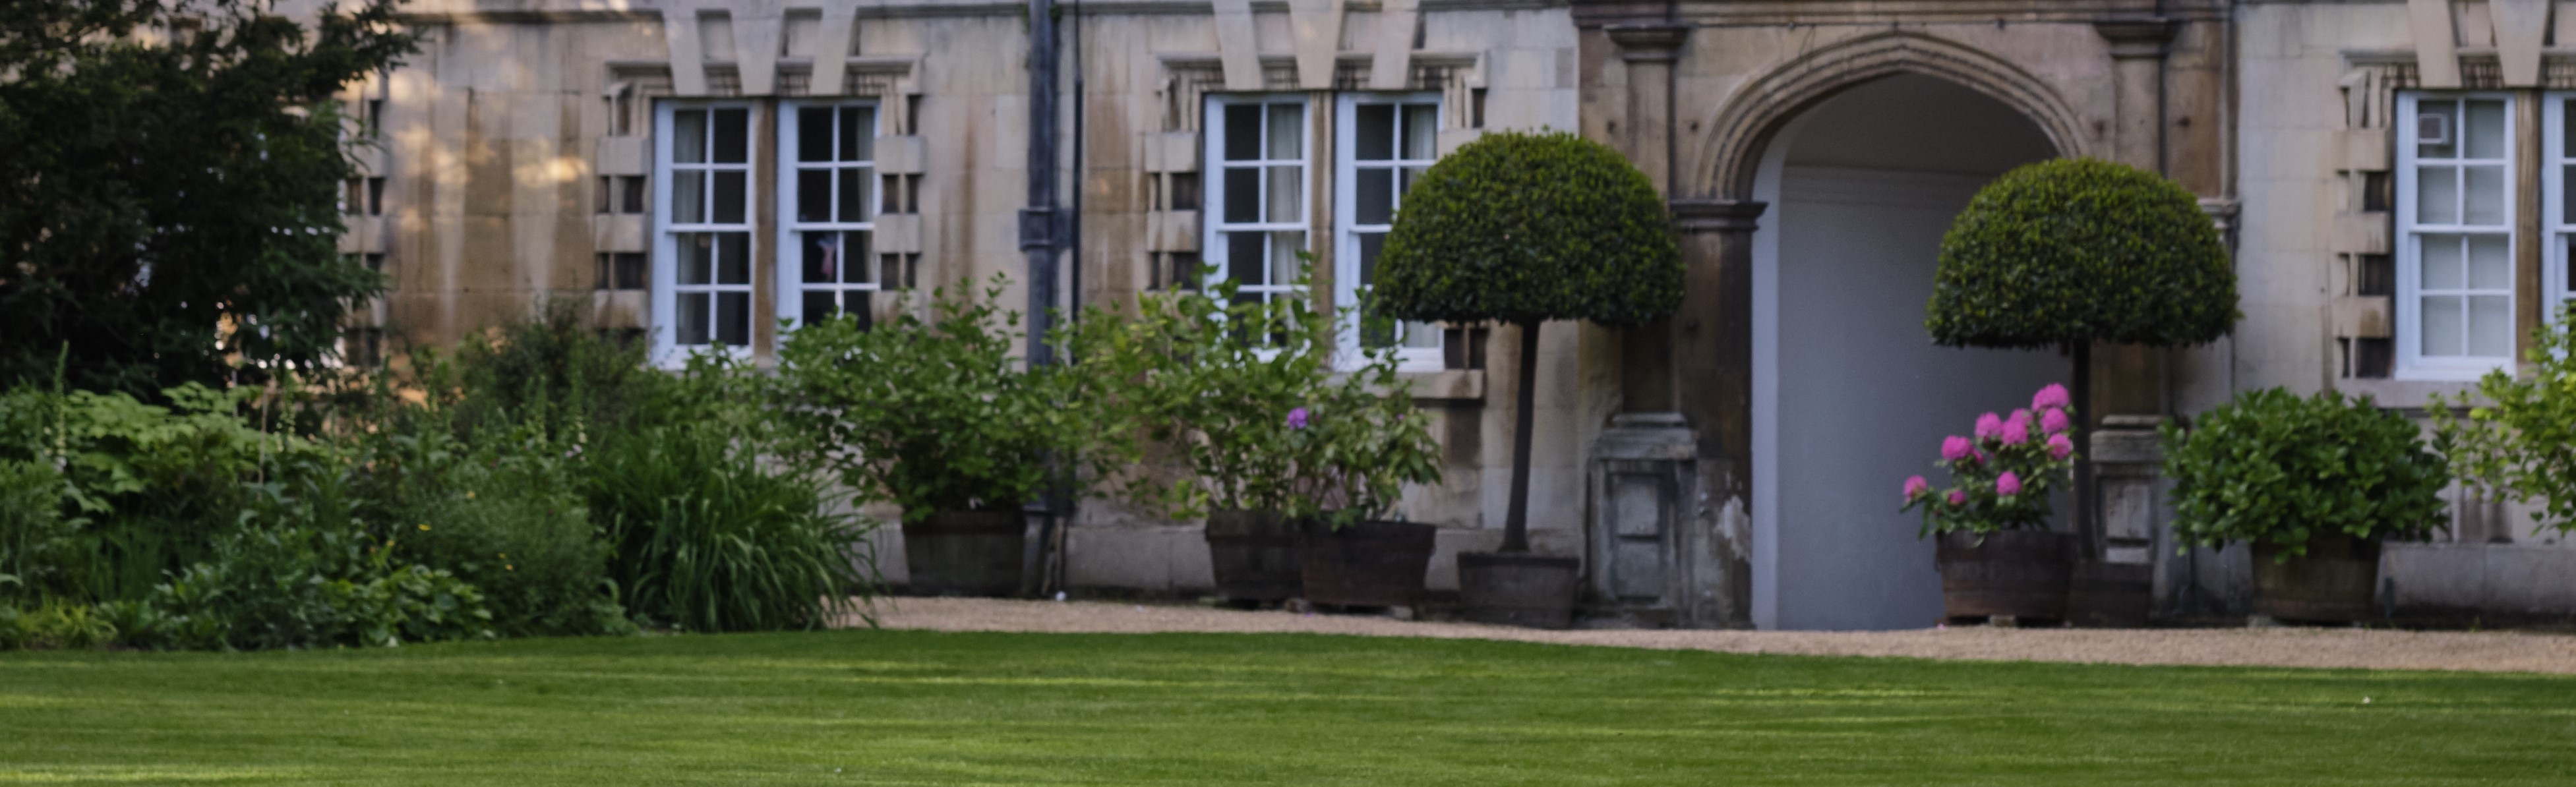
(1370, 564)
(1254, 555)
(966, 553)
(2335, 583)
(2021, 573)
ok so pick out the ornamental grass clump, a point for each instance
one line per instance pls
(2271, 468)
(2002, 475)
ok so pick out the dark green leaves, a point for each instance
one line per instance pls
(2274, 467)
(1530, 227)
(2081, 250)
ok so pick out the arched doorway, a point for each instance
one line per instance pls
(1849, 394)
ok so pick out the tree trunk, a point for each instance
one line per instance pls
(1516, 522)
(2081, 519)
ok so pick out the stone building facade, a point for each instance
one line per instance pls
(703, 171)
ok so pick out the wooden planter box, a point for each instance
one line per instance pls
(2023, 574)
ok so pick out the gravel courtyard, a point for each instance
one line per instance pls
(2280, 647)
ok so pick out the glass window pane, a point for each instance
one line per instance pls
(688, 196)
(2490, 262)
(2568, 141)
(2442, 266)
(1242, 194)
(1283, 256)
(2567, 187)
(730, 191)
(1242, 132)
(2442, 326)
(2485, 129)
(2437, 195)
(854, 193)
(733, 257)
(693, 318)
(1411, 174)
(1421, 130)
(733, 318)
(820, 305)
(1376, 131)
(813, 195)
(855, 269)
(858, 133)
(1370, 244)
(689, 136)
(732, 136)
(1287, 131)
(822, 258)
(855, 303)
(1286, 200)
(2491, 326)
(697, 258)
(634, 197)
(2449, 111)
(1421, 335)
(1243, 259)
(2485, 189)
(813, 134)
(1376, 197)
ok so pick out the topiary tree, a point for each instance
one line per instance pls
(1522, 229)
(2075, 251)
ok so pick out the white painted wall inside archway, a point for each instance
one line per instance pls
(1849, 394)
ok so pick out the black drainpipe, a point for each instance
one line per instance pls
(1040, 232)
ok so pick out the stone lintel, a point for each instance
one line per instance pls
(1717, 215)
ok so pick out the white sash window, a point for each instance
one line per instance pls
(1256, 203)
(2455, 215)
(1384, 142)
(826, 184)
(702, 245)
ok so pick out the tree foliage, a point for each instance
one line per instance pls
(2520, 442)
(1531, 227)
(2082, 250)
(172, 186)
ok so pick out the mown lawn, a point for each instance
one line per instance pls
(902, 707)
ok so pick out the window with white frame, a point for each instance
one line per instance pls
(1383, 142)
(2455, 294)
(2558, 204)
(703, 246)
(829, 210)
(1255, 212)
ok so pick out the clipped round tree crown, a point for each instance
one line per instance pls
(2082, 250)
(1528, 227)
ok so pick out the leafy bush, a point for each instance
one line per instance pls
(1529, 227)
(302, 586)
(55, 624)
(2272, 467)
(933, 415)
(35, 542)
(552, 372)
(1263, 426)
(2001, 477)
(2081, 251)
(508, 518)
(2522, 444)
(708, 537)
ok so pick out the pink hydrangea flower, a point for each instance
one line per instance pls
(1989, 426)
(1955, 448)
(2017, 428)
(2008, 484)
(2054, 421)
(1916, 486)
(2059, 446)
(1958, 497)
(2052, 396)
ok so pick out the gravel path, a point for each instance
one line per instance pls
(2280, 647)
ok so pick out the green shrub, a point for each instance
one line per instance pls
(932, 415)
(1523, 228)
(2081, 251)
(552, 371)
(709, 536)
(1264, 426)
(2272, 467)
(56, 624)
(512, 523)
(308, 587)
(35, 542)
(2522, 443)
